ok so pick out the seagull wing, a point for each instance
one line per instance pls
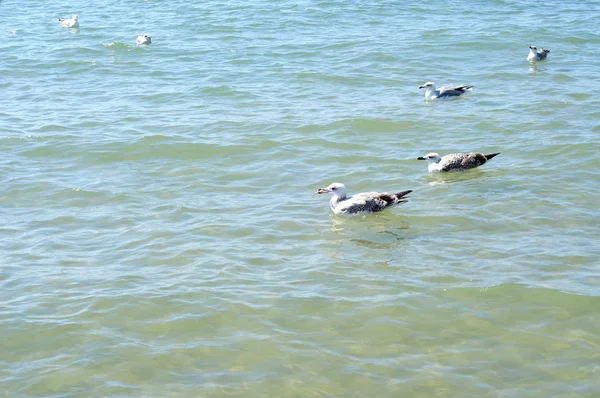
(450, 91)
(462, 161)
(370, 202)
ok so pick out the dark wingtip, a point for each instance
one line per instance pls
(490, 156)
(403, 193)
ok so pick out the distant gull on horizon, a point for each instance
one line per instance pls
(69, 22)
(455, 161)
(535, 55)
(447, 91)
(360, 203)
(143, 40)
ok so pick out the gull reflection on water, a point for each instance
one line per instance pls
(378, 231)
(449, 178)
(535, 67)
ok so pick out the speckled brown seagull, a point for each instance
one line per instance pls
(535, 55)
(455, 161)
(361, 203)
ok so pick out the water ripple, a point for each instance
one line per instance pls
(160, 238)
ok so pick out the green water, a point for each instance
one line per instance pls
(159, 235)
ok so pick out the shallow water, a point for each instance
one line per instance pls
(160, 238)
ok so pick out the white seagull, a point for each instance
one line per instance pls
(455, 161)
(361, 203)
(143, 40)
(69, 22)
(535, 55)
(447, 91)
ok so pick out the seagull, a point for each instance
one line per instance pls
(143, 40)
(455, 161)
(535, 55)
(361, 203)
(69, 22)
(444, 92)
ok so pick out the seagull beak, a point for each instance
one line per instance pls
(530, 47)
(320, 191)
(421, 86)
(421, 158)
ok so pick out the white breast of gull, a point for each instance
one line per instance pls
(448, 91)
(455, 161)
(143, 40)
(535, 55)
(361, 203)
(69, 22)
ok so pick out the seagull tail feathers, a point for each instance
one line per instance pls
(490, 156)
(401, 195)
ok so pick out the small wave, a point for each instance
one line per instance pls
(117, 45)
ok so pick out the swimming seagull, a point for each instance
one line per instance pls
(69, 22)
(535, 55)
(455, 161)
(361, 203)
(143, 40)
(444, 92)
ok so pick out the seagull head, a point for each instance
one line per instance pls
(143, 39)
(74, 17)
(428, 85)
(431, 157)
(336, 188)
(534, 48)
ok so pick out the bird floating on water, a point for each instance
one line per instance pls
(69, 22)
(447, 91)
(535, 55)
(143, 40)
(360, 203)
(455, 161)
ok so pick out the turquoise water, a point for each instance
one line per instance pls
(159, 234)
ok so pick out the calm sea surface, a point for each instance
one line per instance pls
(158, 235)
